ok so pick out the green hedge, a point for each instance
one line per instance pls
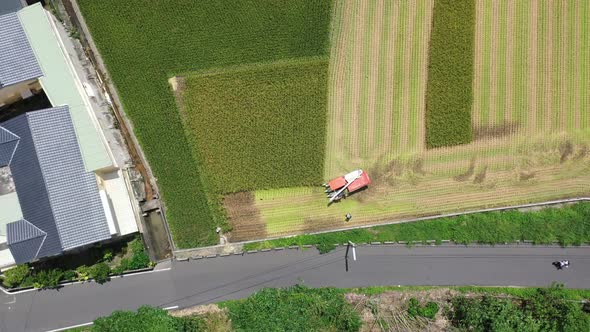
(569, 225)
(449, 92)
(145, 43)
(49, 276)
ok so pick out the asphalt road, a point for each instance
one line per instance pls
(212, 280)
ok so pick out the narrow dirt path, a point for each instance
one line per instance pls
(407, 74)
(374, 78)
(532, 67)
(494, 64)
(478, 63)
(510, 17)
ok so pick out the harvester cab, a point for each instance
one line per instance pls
(341, 186)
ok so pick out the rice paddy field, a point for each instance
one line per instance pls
(531, 130)
(363, 78)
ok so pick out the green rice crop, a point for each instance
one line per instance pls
(449, 92)
(259, 127)
(143, 43)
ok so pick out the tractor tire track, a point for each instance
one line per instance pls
(357, 66)
(548, 67)
(407, 74)
(492, 116)
(532, 68)
(387, 138)
(510, 17)
(478, 63)
(421, 130)
(374, 78)
(337, 95)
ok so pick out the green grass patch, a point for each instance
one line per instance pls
(143, 44)
(449, 92)
(260, 127)
(297, 308)
(568, 225)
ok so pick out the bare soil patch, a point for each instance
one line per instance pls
(244, 217)
(494, 131)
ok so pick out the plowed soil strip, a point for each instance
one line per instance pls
(532, 56)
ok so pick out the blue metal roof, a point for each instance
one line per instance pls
(17, 59)
(55, 192)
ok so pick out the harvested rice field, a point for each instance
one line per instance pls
(530, 117)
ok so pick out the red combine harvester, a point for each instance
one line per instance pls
(340, 187)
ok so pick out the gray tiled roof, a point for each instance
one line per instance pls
(24, 240)
(10, 6)
(17, 59)
(55, 191)
(8, 142)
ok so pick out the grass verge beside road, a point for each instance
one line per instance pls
(569, 225)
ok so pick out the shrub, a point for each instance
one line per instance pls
(146, 319)
(294, 309)
(427, 311)
(107, 256)
(545, 310)
(83, 273)
(69, 275)
(100, 272)
(449, 94)
(47, 278)
(139, 258)
(15, 276)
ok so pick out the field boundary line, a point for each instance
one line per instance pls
(126, 126)
(402, 221)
